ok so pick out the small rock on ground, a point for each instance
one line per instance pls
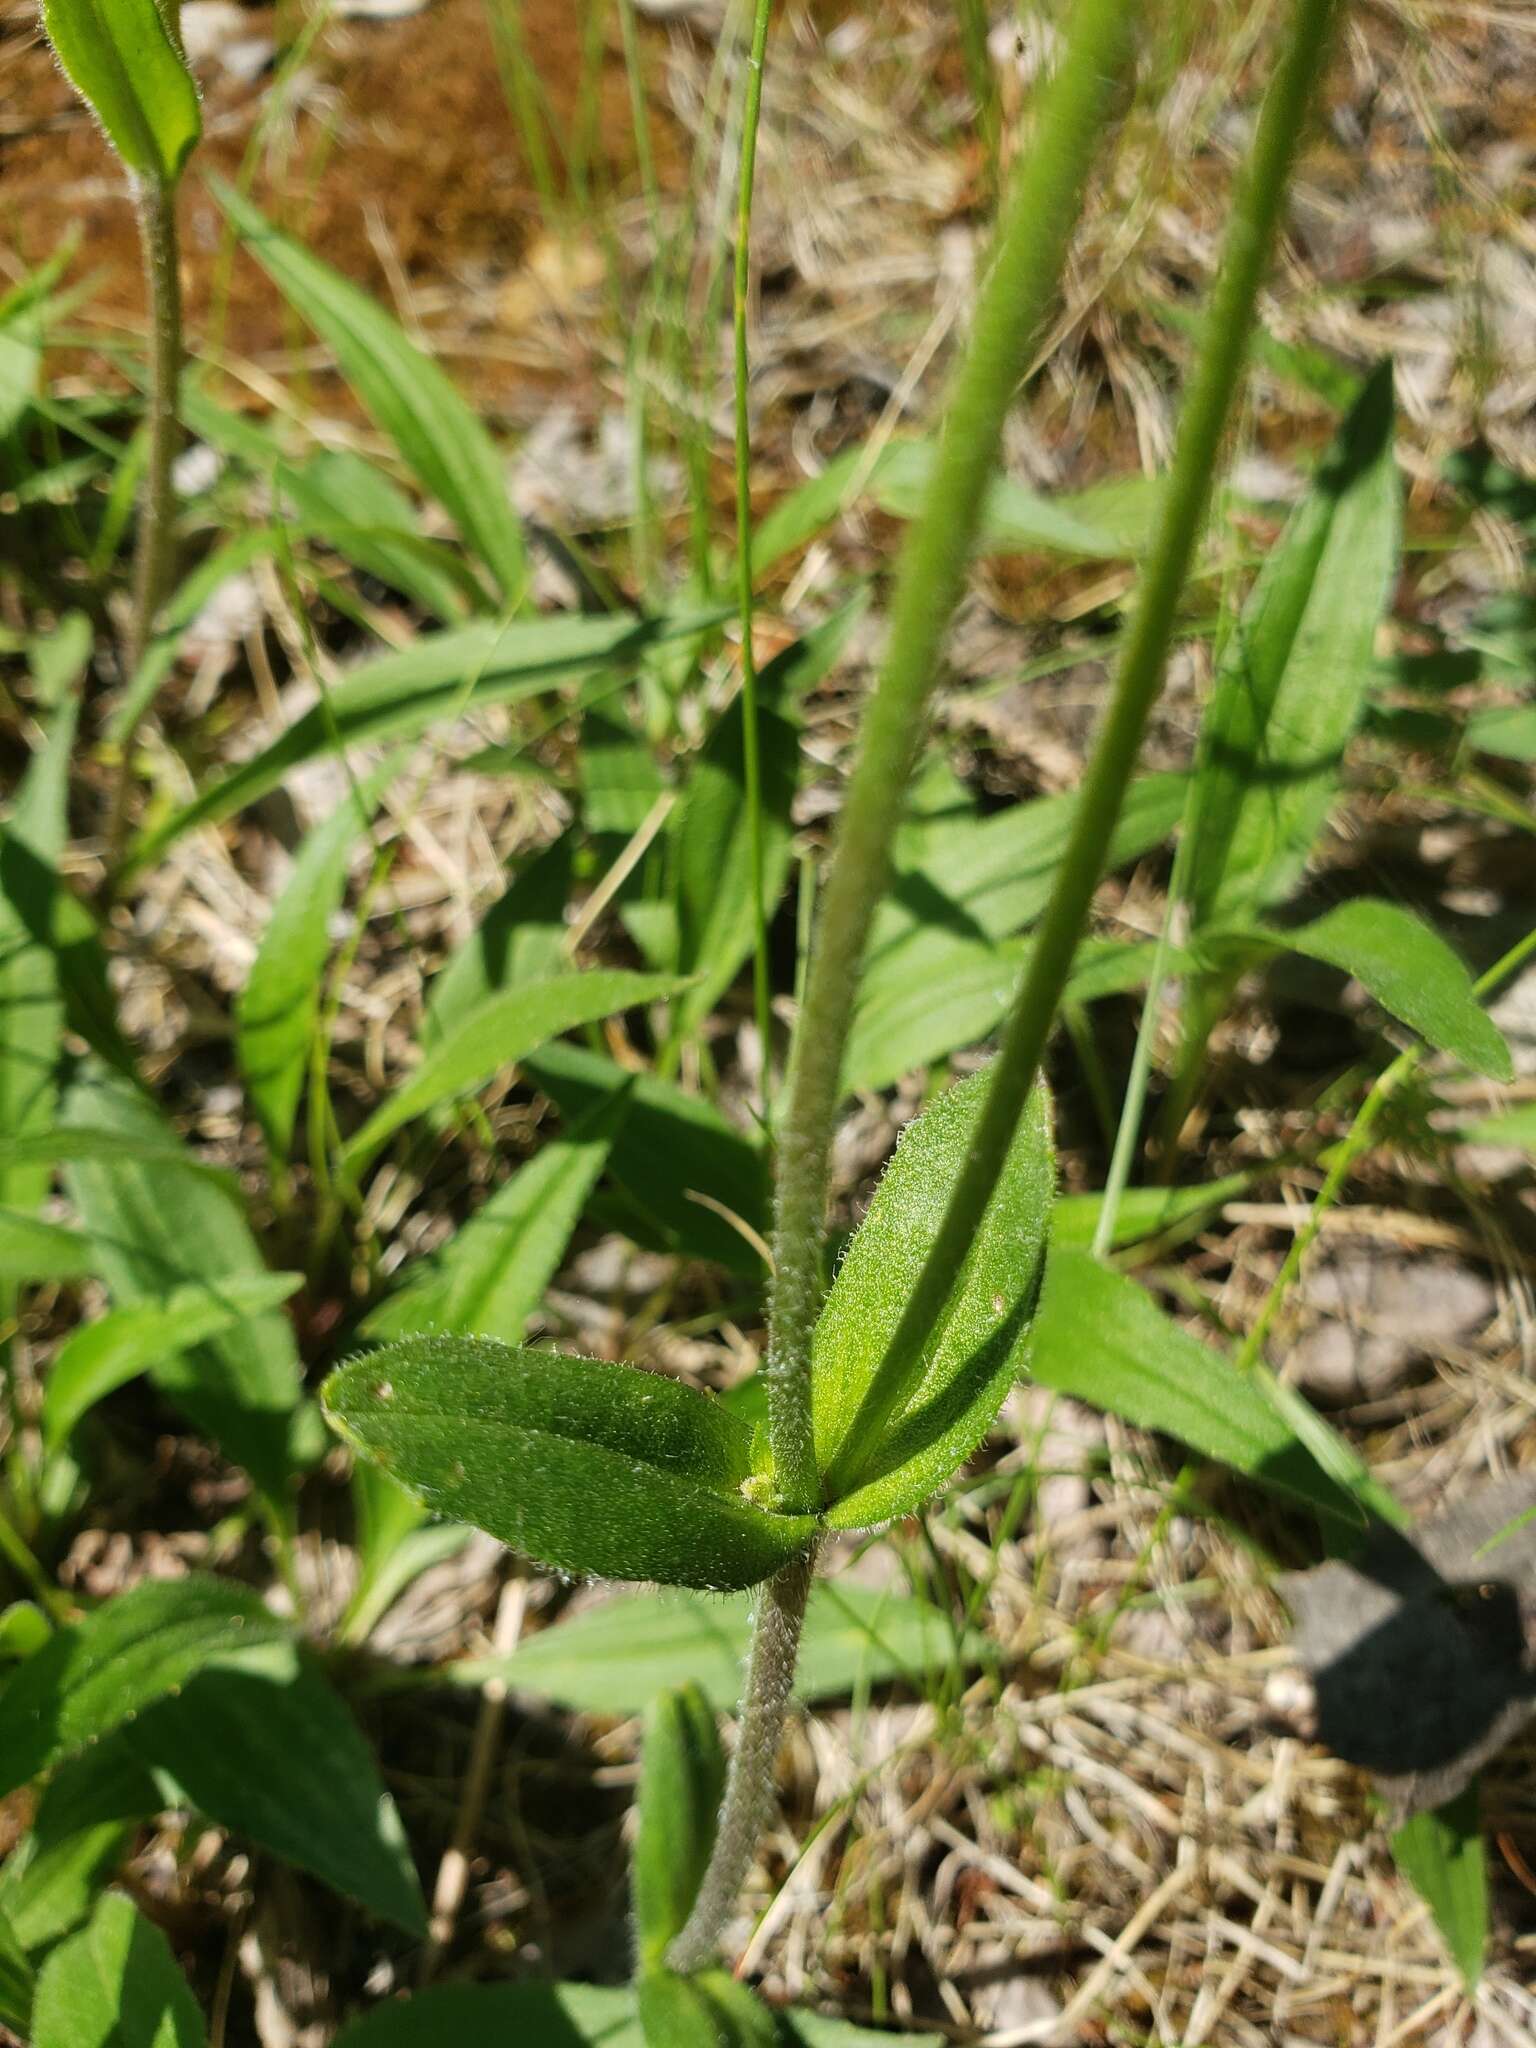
(1378, 1312)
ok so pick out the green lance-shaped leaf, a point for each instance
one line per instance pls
(888, 1435)
(615, 1658)
(586, 1467)
(527, 2015)
(496, 1034)
(686, 1179)
(338, 497)
(1411, 972)
(162, 1223)
(279, 1007)
(87, 1816)
(115, 1984)
(1106, 522)
(491, 1276)
(17, 1980)
(32, 1002)
(682, 1780)
(1442, 1854)
(1101, 1338)
(715, 915)
(521, 938)
(543, 2015)
(262, 1744)
(413, 401)
(712, 2010)
(108, 1353)
(91, 1677)
(402, 693)
(123, 60)
(31, 1249)
(1296, 676)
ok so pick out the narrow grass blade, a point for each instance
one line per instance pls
(400, 695)
(438, 434)
(1443, 1855)
(278, 1009)
(1297, 676)
(496, 1034)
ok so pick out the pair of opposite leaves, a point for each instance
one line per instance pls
(623, 1473)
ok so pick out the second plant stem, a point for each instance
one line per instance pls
(1203, 422)
(1026, 267)
(751, 758)
(1027, 262)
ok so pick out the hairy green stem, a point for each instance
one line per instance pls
(1214, 386)
(1031, 249)
(156, 204)
(770, 1677)
(751, 754)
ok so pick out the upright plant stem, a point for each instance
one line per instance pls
(749, 1789)
(751, 755)
(1031, 249)
(156, 203)
(1207, 408)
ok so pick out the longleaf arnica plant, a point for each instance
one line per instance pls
(881, 1387)
(217, 1277)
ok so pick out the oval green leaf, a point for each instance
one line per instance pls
(263, 1745)
(496, 1034)
(584, 1466)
